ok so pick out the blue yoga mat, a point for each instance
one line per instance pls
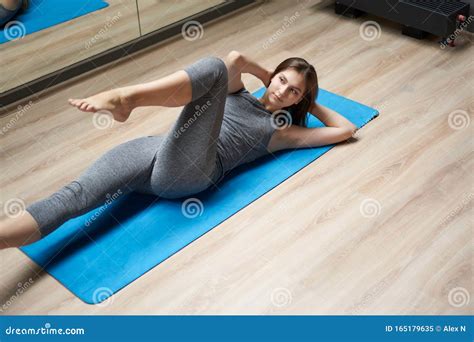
(99, 253)
(42, 14)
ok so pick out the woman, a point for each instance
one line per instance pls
(9, 8)
(220, 127)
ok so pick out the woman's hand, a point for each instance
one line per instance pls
(244, 64)
(267, 79)
(234, 63)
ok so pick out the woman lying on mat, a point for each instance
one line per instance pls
(220, 127)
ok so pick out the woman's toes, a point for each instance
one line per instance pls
(83, 106)
(90, 108)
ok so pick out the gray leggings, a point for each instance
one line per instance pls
(179, 164)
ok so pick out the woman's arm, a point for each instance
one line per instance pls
(296, 136)
(331, 118)
(338, 129)
(237, 64)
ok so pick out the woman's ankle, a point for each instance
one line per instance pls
(128, 98)
(19, 231)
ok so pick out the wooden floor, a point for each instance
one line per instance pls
(382, 225)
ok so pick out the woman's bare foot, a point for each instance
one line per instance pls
(114, 101)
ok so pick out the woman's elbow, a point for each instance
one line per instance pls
(234, 56)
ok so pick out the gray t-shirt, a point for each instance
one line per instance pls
(245, 132)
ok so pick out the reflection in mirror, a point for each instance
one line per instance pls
(45, 39)
(156, 14)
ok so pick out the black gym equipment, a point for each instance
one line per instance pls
(418, 17)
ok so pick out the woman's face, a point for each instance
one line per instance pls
(286, 88)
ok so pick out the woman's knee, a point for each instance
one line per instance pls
(219, 66)
(206, 74)
(220, 77)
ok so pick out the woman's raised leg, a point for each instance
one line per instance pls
(174, 90)
(171, 91)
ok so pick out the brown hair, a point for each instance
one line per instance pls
(298, 111)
